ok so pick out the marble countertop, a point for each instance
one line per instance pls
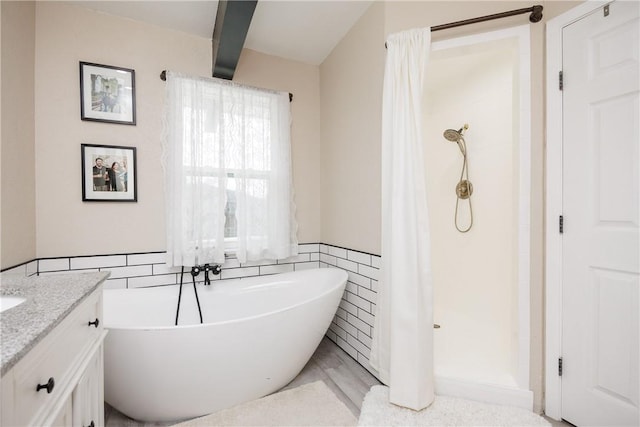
(49, 299)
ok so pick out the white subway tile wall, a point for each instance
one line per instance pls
(133, 271)
(78, 263)
(32, 268)
(306, 265)
(56, 264)
(352, 326)
(359, 257)
(153, 258)
(308, 248)
(22, 270)
(338, 252)
(52, 273)
(149, 269)
(116, 284)
(273, 269)
(303, 257)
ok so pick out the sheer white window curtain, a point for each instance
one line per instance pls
(227, 170)
(402, 347)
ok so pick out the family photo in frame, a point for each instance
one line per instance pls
(108, 173)
(107, 94)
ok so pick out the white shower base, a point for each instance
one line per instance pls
(471, 347)
(483, 392)
(470, 365)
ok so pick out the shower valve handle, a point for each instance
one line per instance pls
(215, 269)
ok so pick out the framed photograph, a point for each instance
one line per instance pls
(107, 94)
(108, 173)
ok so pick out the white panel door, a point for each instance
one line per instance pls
(600, 246)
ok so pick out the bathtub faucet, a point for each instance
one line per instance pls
(215, 269)
(207, 268)
(195, 270)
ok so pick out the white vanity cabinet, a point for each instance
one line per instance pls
(88, 396)
(59, 382)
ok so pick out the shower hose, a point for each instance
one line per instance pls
(464, 187)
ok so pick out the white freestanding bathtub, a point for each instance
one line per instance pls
(257, 335)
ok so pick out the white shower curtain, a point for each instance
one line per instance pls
(402, 349)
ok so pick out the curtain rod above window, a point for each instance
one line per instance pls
(163, 77)
(536, 16)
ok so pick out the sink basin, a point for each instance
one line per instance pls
(7, 302)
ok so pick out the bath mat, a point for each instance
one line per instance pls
(444, 411)
(312, 404)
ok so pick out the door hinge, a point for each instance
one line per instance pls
(560, 366)
(561, 224)
(606, 10)
(560, 80)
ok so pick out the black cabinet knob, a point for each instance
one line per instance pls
(48, 386)
(94, 323)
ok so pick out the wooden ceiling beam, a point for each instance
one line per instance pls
(229, 33)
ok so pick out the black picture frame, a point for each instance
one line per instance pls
(107, 94)
(116, 183)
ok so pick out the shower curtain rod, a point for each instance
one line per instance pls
(163, 77)
(536, 16)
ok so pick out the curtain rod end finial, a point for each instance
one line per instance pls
(536, 14)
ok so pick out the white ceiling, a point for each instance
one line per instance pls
(305, 31)
(301, 30)
(193, 17)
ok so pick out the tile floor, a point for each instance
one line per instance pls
(341, 373)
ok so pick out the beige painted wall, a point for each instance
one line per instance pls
(67, 34)
(351, 113)
(351, 82)
(303, 81)
(18, 224)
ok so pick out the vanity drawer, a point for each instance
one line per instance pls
(57, 356)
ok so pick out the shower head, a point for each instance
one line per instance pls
(452, 135)
(455, 135)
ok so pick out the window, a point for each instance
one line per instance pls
(228, 172)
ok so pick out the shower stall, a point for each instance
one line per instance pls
(481, 277)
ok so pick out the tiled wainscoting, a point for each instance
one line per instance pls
(27, 269)
(351, 328)
(149, 269)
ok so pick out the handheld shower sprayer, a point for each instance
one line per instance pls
(457, 137)
(464, 188)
